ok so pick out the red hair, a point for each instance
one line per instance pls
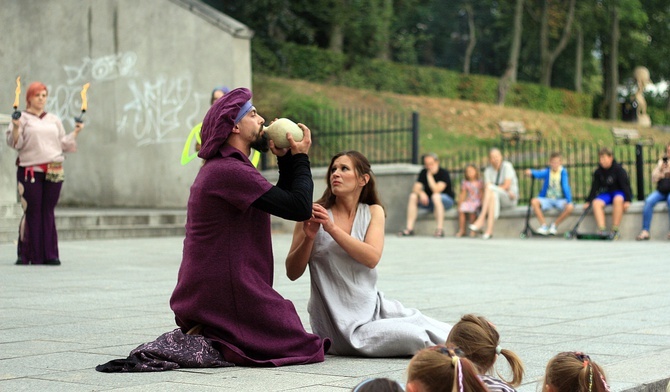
(34, 89)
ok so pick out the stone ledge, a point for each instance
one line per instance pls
(512, 221)
(521, 211)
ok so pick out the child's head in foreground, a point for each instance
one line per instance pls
(442, 369)
(574, 372)
(378, 385)
(480, 342)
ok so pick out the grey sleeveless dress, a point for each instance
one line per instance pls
(346, 306)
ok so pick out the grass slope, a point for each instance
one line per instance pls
(446, 125)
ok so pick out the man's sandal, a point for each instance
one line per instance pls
(406, 233)
(643, 236)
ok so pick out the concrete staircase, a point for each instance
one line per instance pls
(97, 223)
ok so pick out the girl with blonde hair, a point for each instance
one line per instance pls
(574, 372)
(442, 369)
(480, 342)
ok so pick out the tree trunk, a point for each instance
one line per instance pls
(336, 43)
(385, 33)
(549, 57)
(509, 77)
(579, 59)
(614, 64)
(472, 38)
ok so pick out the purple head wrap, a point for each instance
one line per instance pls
(220, 120)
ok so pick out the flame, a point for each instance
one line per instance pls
(84, 101)
(18, 92)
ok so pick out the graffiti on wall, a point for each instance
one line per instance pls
(104, 68)
(152, 110)
(155, 109)
(65, 100)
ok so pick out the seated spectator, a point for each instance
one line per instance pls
(342, 244)
(660, 177)
(442, 369)
(555, 193)
(378, 385)
(432, 191)
(574, 372)
(480, 342)
(501, 191)
(469, 200)
(610, 187)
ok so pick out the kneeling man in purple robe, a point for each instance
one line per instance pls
(224, 288)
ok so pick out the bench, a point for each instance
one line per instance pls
(515, 131)
(512, 221)
(628, 135)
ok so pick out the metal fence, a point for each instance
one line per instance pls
(383, 137)
(579, 158)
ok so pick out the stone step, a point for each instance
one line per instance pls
(93, 223)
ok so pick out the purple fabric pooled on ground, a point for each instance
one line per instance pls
(171, 350)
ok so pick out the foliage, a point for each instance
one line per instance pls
(433, 33)
(313, 64)
(659, 116)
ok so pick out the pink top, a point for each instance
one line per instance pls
(42, 139)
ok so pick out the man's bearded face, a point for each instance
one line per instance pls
(261, 141)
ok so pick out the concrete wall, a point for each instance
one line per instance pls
(151, 64)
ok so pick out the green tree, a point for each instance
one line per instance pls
(510, 74)
(620, 23)
(557, 24)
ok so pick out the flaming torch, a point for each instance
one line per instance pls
(16, 115)
(84, 104)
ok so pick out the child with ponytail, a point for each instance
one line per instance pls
(574, 372)
(442, 369)
(480, 342)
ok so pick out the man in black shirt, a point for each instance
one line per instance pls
(610, 186)
(432, 191)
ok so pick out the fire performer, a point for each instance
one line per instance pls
(41, 141)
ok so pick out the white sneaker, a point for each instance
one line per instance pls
(552, 229)
(543, 230)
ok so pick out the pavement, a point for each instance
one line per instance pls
(608, 299)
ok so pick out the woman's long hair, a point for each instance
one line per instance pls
(362, 167)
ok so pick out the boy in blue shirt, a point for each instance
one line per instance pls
(555, 193)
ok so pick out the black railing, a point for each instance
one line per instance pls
(382, 137)
(579, 158)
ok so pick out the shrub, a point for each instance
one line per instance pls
(319, 65)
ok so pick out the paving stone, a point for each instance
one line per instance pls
(606, 298)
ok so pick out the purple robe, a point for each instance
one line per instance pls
(226, 274)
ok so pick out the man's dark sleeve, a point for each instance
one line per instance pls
(285, 164)
(423, 179)
(291, 198)
(449, 190)
(595, 185)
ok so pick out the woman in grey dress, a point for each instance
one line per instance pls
(342, 244)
